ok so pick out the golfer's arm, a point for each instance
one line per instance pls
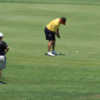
(58, 34)
(7, 49)
(58, 30)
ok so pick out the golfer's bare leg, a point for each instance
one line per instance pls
(1, 82)
(53, 45)
(50, 45)
(0, 73)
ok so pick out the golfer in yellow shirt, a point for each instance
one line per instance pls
(51, 31)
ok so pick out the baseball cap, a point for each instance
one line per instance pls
(1, 34)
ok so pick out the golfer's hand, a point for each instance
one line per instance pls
(58, 35)
(7, 49)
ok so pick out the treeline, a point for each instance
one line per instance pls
(80, 2)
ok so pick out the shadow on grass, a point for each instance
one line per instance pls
(58, 54)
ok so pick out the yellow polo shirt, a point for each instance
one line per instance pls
(54, 25)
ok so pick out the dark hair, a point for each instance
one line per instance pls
(63, 19)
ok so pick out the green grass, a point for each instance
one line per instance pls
(32, 76)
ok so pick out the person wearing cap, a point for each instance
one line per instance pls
(3, 50)
(51, 31)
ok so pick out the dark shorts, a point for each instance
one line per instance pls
(49, 34)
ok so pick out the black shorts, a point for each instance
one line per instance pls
(49, 34)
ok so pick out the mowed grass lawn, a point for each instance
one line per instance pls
(30, 75)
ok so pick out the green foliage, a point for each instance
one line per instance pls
(97, 2)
